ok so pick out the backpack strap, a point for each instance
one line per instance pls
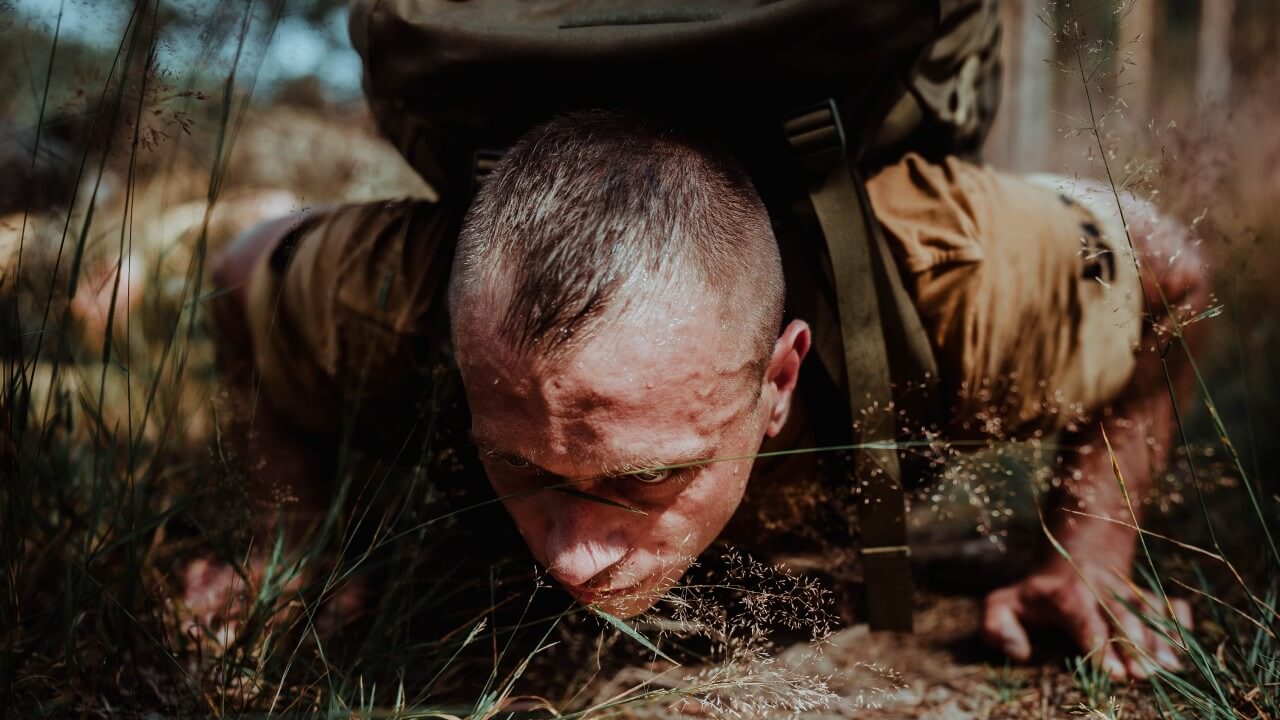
(869, 293)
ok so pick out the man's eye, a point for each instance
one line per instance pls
(651, 477)
(516, 463)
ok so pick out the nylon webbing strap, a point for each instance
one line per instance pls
(843, 213)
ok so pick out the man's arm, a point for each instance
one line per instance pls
(285, 465)
(318, 315)
(286, 469)
(1090, 515)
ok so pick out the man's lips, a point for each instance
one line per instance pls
(588, 596)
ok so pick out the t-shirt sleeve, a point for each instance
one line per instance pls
(1027, 338)
(347, 310)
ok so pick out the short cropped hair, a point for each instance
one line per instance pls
(589, 200)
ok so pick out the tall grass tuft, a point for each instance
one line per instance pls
(1232, 658)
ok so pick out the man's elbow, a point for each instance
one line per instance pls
(221, 272)
(233, 266)
(1175, 268)
(231, 272)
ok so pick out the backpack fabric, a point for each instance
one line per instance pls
(449, 78)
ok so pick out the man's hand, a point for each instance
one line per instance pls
(1089, 607)
(1094, 512)
(216, 598)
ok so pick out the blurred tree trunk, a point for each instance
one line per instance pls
(1137, 79)
(1030, 83)
(1213, 80)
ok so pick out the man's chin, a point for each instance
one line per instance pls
(624, 603)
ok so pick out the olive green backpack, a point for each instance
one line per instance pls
(810, 94)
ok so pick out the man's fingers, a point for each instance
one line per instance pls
(1182, 613)
(1001, 627)
(207, 586)
(1122, 642)
(1162, 641)
(1160, 652)
(1140, 645)
(1113, 664)
(1149, 647)
(1168, 642)
(1166, 655)
(1086, 624)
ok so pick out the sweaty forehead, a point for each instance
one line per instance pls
(664, 369)
(633, 365)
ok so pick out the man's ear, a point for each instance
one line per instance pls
(783, 373)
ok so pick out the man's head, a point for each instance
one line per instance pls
(615, 303)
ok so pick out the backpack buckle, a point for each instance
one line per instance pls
(887, 550)
(816, 135)
(483, 163)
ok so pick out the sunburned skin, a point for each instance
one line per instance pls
(669, 387)
(666, 377)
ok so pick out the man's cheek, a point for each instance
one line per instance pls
(682, 532)
(531, 522)
(709, 502)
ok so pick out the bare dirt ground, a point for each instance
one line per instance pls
(944, 672)
(941, 672)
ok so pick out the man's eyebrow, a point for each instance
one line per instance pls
(641, 464)
(491, 450)
(633, 466)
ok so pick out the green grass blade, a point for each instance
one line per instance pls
(632, 633)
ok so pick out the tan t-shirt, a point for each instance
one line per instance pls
(1028, 294)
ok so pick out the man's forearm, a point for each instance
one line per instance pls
(286, 469)
(1093, 511)
(1099, 501)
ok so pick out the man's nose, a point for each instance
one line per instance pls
(584, 543)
